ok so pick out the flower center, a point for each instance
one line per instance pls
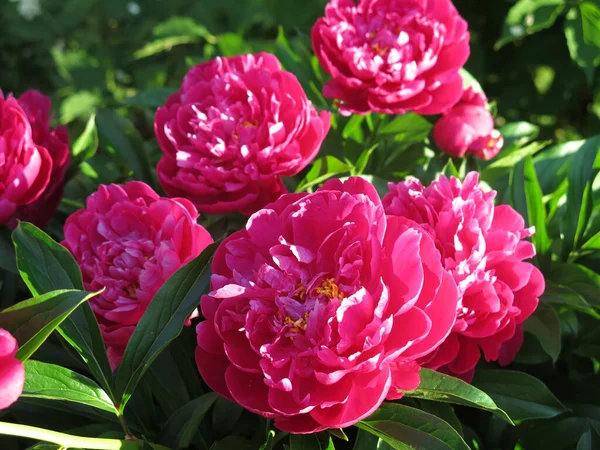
(330, 289)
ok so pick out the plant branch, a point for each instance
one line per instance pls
(67, 440)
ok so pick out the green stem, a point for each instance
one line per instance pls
(66, 440)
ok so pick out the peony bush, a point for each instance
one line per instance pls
(283, 228)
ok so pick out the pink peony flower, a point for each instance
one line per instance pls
(236, 126)
(321, 307)
(33, 160)
(392, 56)
(12, 372)
(468, 128)
(482, 247)
(129, 241)
(56, 142)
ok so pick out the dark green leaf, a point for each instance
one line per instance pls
(162, 322)
(590, 440)
(403, 427)
(233, 442)
(579, 199)
(503, 165)
(367, 441)
(31, 321)
(7, 251)
(338, 433)
(545, 326)
(52, 382)
(317, 441)
(120, 137)
(44, 265)
(522, 396)
(151, 98)
(536, 212)
(181, 427)
(527, 17)
(439, 387)
(558, 295)
(579, 278)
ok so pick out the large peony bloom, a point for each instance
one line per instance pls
(12, 372)
(321, 307)
(236, 126)
(468, 128)
(392, 56)
(33, 160)
(482, 247)
(129, 241)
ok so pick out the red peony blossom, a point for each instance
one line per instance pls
(236, 126)
(482, 247)
(56, 142)
(321, 307)
(392, 56)
(12, 372)
(468, 128)
(33, 160)
(130, 241)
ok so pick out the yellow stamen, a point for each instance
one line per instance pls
(330, 289)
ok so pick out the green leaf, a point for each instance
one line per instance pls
(44, 265)
(469, 81)
(522, 396)
(32, 321)
(585, 55)
(7, 251)
(315, 441)
(579, 278)
(162, 322)
(233, 442)
(536, 212)
(86, 144)
(439, 387)
(321, 170)
(181, 427)
(363, 159)
(172, 32)
(590, 16)
(545, 326)
(504, 164)
(78, 106)
(367, 441)
(403, 427)
(579, 198)
(338, 433)
(151, 98)
(556, 294)
(518, 133)
(408, 128)
(122, 140)
(527, 17)
(353, 129)
(52, 382)
(589, 440)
